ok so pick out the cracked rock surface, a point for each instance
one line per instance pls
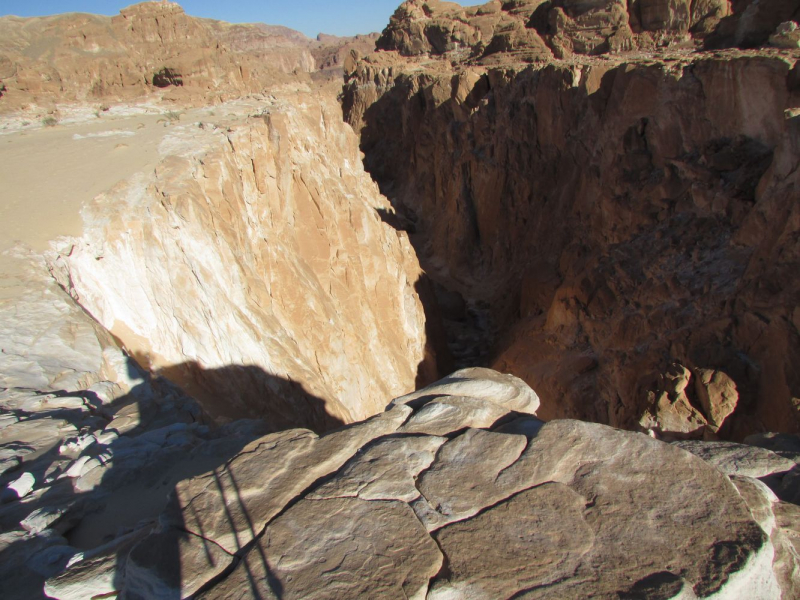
(116, 486)
(558, 510)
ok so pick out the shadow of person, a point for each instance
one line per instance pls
(247, 391)
(128, 457)
(234, 395)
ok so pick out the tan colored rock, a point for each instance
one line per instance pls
(739, 459)
(717, 394)
(338, 548)
(759, 499)
(576, 466)
(459, 483)
(48, 343)
(562, 509)
(386, 470)
(107, 59)
(172, 564)
(670, 413)
(335, 54)
(231, 506)
(96, 573)
(706, 15)
(786, 538)
(518, 544)
(277, 218)
(665, 14)
(781, 521)
(503, 390)
(452, 413)
(787, 35)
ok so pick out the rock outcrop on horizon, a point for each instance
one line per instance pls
(335, 54)
(532, 30)
(154, 48)
(612, 219)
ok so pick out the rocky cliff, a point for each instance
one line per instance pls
(256, 251)
(530, 30)
(149, 46)
(217, 390)
(627, 224)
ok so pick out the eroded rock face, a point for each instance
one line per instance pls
(535, 30)
(569, 509)
(81, 57)
(253, 268)
(614, 216)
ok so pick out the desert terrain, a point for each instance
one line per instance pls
(500, 302)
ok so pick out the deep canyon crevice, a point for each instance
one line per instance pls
(577, 192)
(614, 218)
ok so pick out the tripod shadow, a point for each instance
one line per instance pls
(100, 489)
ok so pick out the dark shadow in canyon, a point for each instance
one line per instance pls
(438, 360)
(136, 482)
(603, 254)
(457, 330)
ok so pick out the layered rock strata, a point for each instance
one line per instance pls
(81, 57)
(618, 218)
(253, 269)
(533, 30)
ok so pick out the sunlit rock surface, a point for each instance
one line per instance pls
(562, 509)
(154, 50)
(253, 267)
(620, 231)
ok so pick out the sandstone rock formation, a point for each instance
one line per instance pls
(602, 218)
(620, 231)
(88, 58)
(253, 266)
(45, 59)
(563, 509)
(536, 30)
(336, 54)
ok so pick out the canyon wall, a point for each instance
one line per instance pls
(620, 231)
(254, 269)
(630, 224)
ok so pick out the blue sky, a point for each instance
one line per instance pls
(345, 17)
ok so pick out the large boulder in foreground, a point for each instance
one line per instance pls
(515, 508)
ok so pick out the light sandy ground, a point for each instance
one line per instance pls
(48, 173)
